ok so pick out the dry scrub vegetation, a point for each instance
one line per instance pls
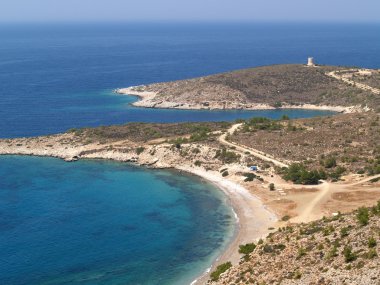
(273, 85)
(143, 132)
(350, 141)
(338, 250)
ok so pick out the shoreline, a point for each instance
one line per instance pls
(253, 218)
(148, 100)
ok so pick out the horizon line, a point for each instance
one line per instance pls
(175, 21)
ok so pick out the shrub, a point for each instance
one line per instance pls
(344, 232)
(337, 173)
(371, 242)
(140, 149)
(363, 216)
(333, 252)
(301, 252)
(271, 187)
(349, 256)
(285, 218)
(197, 163)
(247, 248)
(227, 156)
(330, 162)
(225, 173)
(249, 176)
(261, 123)
(279, 246)
(298, 174)
(371, 253)
(219, 270)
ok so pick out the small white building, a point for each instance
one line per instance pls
(310, 62)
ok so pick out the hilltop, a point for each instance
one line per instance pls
(276, 86)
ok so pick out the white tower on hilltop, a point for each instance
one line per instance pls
(310, 62)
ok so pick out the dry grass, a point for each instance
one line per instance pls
(353, 139)
(292, 84)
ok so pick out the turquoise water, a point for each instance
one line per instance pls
(97, 222)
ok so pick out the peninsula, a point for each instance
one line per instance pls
(279, 86)
(276, 173)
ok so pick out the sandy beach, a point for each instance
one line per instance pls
(253, 218)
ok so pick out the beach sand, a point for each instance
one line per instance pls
(253, 218)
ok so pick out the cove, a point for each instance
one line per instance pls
(101, 222)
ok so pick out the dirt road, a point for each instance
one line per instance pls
(245, 149)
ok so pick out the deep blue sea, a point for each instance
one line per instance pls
(55, 77)
(96, 222)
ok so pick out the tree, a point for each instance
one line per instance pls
(271, 187)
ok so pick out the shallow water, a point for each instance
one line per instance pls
(96, 222)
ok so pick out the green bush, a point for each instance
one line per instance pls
(339, 170)
(371, 242)
(298, 174)
(225, 173)
(249, 176)
(301, 252)
(349, 256)
(140, 149)
(332, 253)
(344, 232)
(219, 270)
(247, 248)
(227, 156)
(272, 187)
(330, 162)
(363, 216)
(197, 163)
(260, 123)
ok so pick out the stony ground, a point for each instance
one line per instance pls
(339, 250)
(290, 84)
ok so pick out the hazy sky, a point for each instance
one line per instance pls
(190, 10)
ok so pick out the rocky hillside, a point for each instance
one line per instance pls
(340, 250)
(273, 85)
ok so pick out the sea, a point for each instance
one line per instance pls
(102, 222)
